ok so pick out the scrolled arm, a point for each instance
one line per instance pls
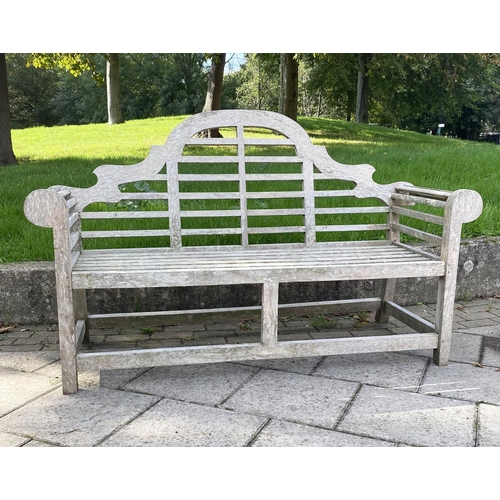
(464, 205)
(45, 207)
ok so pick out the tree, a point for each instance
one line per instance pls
(77, 64)
(289, 88)
(7, 156)
(115, 114)
(258, 82)
(331, 84)
(214, 89)
(31, 93)
(419, 91)
(183, 85)
(362, 94)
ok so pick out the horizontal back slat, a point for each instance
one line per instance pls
(353, 227)
(208, 177)
(422, 235)
(274, 194)
(276, 212)
(145, 214)
(126, 233)
(276, 230)
(351, 210)
(434, 219)
(228, 230)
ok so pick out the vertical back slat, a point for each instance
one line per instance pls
(174, 206)
(243, 186)
(309, 208)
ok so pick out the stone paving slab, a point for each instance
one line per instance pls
(411, 418)
(387, 369)
(204, 383)
(83, 419)
(463, 381)
(175, 423)
(18, 388)
(37, 444)
(465, 348)
(491, 352)
(489, 425)
(116, 379)
(12, 440)
(303, 366)
(484, 331)
(290, 396)
(280, 434)
(27, 361)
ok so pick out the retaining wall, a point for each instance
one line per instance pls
(27, 290)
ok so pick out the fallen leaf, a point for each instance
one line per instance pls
(479, 365)
(4, 329)
(497, 370)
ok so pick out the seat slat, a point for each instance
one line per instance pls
(101, 269)
(139, 278)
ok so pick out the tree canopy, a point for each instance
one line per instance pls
(408, 91)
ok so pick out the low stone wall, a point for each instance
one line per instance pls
(27, 290)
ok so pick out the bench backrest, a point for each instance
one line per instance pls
(263, 182)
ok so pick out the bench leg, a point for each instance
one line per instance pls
(387, 293)
(270, 314)
(444, 320)
(67, 340)
(67, 347)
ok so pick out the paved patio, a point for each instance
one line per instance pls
(365, 400)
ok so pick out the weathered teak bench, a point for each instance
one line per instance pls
(249, 208)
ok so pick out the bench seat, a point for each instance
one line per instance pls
(157, 267)
(262, 205)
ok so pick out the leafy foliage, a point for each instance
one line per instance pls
(408, 91)
(44, 90)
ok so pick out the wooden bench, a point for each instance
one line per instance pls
(254, 207)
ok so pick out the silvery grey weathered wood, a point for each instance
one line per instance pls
(78, 268)
(269, 314)
(287, 349)
(116, 320)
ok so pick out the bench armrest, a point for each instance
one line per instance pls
(465, 204)
(46, 207)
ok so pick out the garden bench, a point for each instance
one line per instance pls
(262, 205)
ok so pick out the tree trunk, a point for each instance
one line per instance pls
(7, 156)
(214, 90)
(362, 98)
(113, 89)
(289, 90)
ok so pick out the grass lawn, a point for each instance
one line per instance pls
(68, 155)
